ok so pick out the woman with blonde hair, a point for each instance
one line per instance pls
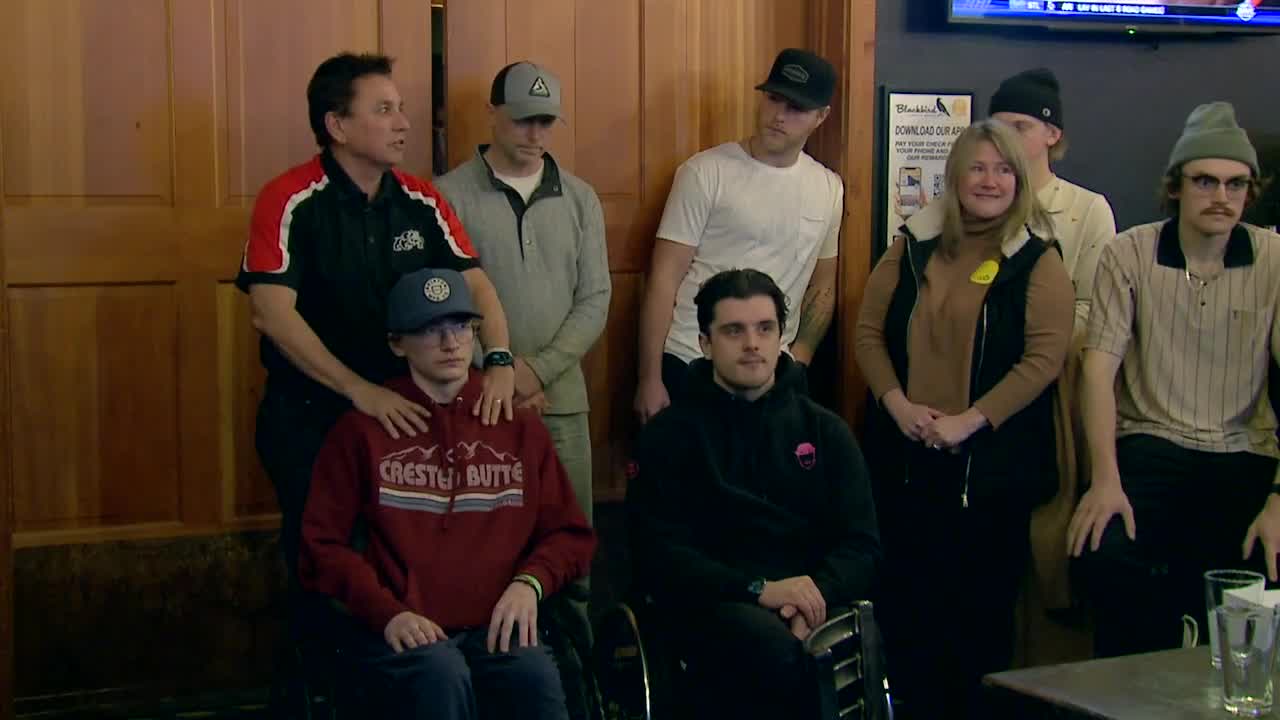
(963, 330)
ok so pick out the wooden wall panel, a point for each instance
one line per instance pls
(733, 47)
(271, 49)
(475, 33)
(86, 110)
(606, 85)
(247, 491)
(95, 385)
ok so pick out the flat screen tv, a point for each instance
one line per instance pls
(1130, 16)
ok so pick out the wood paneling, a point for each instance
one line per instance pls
(474, 52)
(844, 31)
(732, 45)
(95, 386)
(86, 108)
(271, 50)
(246, 489)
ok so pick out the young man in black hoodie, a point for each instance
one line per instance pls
(750, 509)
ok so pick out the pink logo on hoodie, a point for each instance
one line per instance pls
(807, 455)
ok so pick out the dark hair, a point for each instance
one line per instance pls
(1171, 184)
(740, 285)
(333, 85)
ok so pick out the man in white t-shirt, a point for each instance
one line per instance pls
(759, 203)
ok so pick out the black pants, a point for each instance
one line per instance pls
(290, 431)
(1191, 510)
(744, 663)
(675, 373)
(456, 679)
(951, 582)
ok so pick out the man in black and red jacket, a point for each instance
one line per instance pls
(749, 509)
(469, 526)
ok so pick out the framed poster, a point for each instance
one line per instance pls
(919, 129)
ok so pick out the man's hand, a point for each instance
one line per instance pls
(795, 619)
(391, 409)
(651, 398)
(800, 592)
(912, 419)
(537, 401)
(517, 606)
(1266, 527)
(527, 382)
(409, 630)
(949, 431)
(1104, 499)
(495, 398)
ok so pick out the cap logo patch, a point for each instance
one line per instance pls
(436, 289)
(539, 88)
(1046, 112)
(795, 73)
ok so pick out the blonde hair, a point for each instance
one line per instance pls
(1025, 208)
(1059, 149)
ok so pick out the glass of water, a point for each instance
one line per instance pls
(1246, 641)
(1229, 587)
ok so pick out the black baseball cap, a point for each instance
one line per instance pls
(801, 77)
(420, 298)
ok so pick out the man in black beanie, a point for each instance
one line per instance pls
(1082, 221)
(1182, 440)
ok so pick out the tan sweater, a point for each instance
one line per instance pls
(941, 337)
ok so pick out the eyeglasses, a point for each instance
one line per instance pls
(460, 330)
(1208, 184)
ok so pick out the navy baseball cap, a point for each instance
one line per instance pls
(420, 298)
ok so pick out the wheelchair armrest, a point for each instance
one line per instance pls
(849, 656)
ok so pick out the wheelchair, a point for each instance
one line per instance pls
(328, 691)
(640, 676)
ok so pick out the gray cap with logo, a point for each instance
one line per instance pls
(420, 298)
(526, 90)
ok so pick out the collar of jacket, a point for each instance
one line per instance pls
(927, 225)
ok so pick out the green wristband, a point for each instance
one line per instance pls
(531, 581)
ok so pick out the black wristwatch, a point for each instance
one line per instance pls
(498, 358)
(1275, 489)
(755, 588)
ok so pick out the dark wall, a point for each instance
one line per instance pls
(1124, 99)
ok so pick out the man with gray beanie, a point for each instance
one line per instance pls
(1182, 438)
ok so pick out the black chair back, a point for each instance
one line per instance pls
(849, 654)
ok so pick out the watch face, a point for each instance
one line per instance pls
(756, 587)
(499, 358)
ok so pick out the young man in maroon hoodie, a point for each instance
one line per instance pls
(468, 526)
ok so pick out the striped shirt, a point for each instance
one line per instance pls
(1195, 356)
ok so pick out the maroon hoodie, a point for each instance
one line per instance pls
(452, 516)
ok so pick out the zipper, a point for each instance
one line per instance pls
(982, 353)
(911, 263)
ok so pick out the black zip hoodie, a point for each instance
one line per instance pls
(724, 491)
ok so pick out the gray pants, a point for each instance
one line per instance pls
(572, 437)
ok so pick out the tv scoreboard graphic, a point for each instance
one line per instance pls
(1245, 11)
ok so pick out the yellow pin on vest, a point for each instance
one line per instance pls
(986, 272)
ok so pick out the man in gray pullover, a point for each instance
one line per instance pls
(540, 231)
